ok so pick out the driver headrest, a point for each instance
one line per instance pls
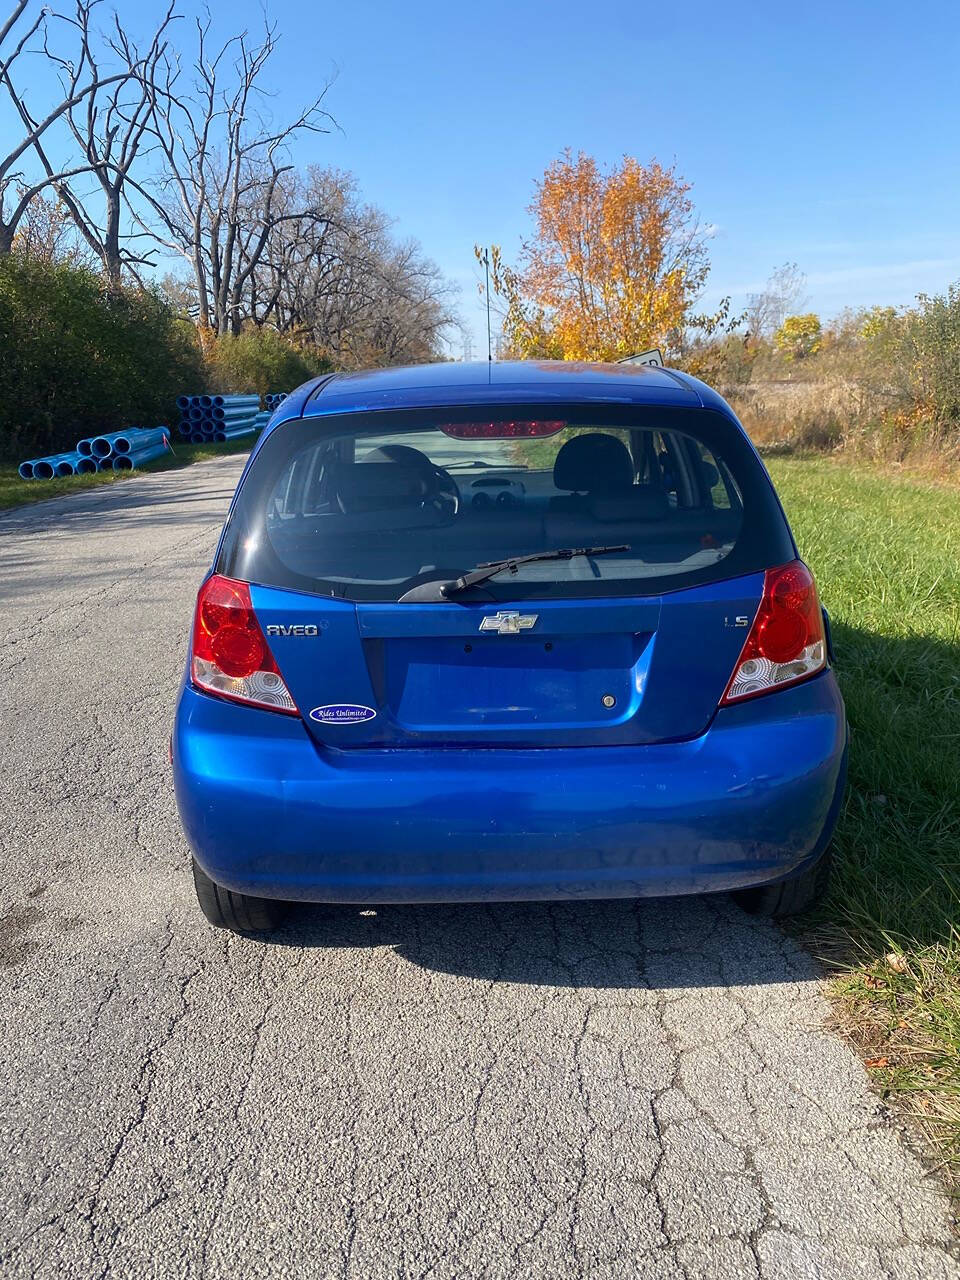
(593, 463)
(404, 453)
(377, 486)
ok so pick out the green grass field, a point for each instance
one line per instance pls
(886, 553)
(14, 491)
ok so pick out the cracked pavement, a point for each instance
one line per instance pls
(588, 1089)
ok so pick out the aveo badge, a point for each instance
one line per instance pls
(342, 713)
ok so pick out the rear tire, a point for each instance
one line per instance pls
(787, 897)
(237, 911)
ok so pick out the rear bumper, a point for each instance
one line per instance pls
(269, 813)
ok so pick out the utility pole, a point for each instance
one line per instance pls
(486, 267)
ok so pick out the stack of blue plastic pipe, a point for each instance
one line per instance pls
(116, 450)
(273, 398)
(207, 417)
(133, 448)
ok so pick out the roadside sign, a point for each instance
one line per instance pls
(652, 357)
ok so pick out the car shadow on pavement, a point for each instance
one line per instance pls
(609, 944)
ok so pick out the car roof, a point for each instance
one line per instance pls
(497, 382)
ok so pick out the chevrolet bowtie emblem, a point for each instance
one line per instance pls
(507, 623)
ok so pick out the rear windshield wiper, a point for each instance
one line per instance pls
(491, 568)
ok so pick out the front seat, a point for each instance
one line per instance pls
(407, 456)
(591, 465)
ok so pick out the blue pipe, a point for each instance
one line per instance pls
(57, 464)
(85, 447)
(183, 403)
(222, 436)
(197, 438)
(25, 469)
(86, 466)
(67, 466)
(127, 461)
(103, 446)
(140, 438)
(225, 413)
(221, 402)
(123, 442)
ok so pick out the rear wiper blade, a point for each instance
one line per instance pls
(491, 568)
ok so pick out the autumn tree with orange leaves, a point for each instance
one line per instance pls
(615, 265)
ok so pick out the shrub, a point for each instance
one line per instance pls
(259, 360)
(79, 359)
(935, 333)
(882, 382)
(799, 336)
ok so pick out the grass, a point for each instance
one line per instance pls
(15, 492)
(886, 552)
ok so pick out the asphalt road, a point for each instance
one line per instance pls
(599, 1090)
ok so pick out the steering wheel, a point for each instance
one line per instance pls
(443, 493)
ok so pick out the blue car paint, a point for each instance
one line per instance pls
(595, 806)
(268, 812)
(605, 646)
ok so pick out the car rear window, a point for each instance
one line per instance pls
(367, 506)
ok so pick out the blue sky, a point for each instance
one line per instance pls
(824, 134)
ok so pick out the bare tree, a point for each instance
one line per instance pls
(310, 260)
(109, 127)
(34, 128)
(339, 280)
(783, 294)
(220, 197)
(47, 232)
(266, 244)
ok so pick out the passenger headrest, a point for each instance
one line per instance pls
(593, 463)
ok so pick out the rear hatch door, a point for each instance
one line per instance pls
(540, 673)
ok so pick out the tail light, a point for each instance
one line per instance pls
(786, 642)
(230, 653)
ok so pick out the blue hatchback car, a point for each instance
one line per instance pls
(506, 631)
